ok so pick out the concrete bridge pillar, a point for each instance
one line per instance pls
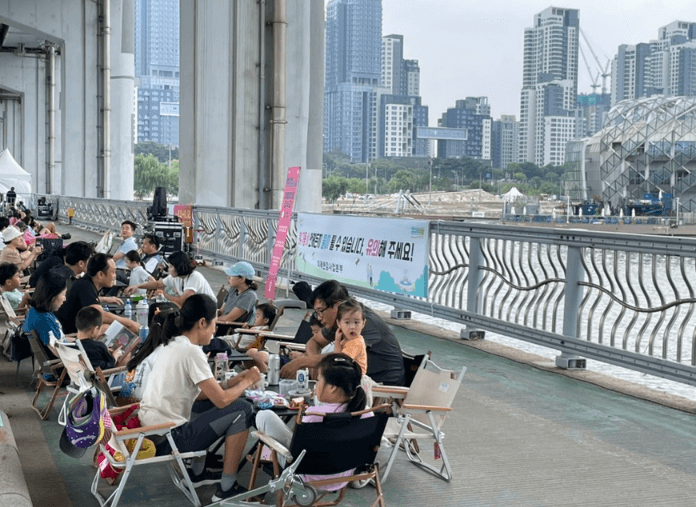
(228, 54)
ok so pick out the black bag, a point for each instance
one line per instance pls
(21, 349)
(217, 346)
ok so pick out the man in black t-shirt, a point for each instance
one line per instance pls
(101, 272)
(385, 362)
(11, 196)
(77, 254)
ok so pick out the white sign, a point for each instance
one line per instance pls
(169, 109)
(380, 253)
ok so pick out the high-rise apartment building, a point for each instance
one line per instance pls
(157, 70)
(665, 66)
(549, 86)
(473, 115)
(504, 135)
(353, 72)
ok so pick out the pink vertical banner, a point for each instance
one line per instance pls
(283, 227)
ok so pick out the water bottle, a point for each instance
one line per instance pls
(221, 366)
(128, 310)
(273, 369)
(141, 310)
(142, 333)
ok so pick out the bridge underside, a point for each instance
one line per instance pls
(251, 98)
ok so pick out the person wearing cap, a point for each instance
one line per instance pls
(182, 282)
(16, 250)
(127, 231)
(241, 300)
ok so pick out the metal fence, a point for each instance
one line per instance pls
(624, 299)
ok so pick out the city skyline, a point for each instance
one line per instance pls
(493, 69)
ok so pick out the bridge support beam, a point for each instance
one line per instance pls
(226, 153)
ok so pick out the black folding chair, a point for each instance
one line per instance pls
(340, 443)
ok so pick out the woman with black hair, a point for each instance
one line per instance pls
(180, 376)
(49, 295)
(182, 280)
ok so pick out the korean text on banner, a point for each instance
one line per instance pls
(283, 228)
(381, 253)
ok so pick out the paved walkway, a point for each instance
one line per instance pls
(519, 435)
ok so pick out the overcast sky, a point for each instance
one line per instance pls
(474, 47)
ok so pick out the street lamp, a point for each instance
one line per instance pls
(430, 191)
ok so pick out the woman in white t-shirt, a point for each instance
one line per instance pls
(182, 280)
(179, 377)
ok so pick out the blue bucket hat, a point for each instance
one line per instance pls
(243, 269)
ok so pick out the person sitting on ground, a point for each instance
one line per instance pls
(150, 249)
(241, 300)
(385, 362)
(138, 274)
(101, 273)
(88, 323)
(351, 321)
(16, 250)
(48, 297)
(70, 261)
(127, 231)
(10, 280)
(182, 280)
(338, 389)
(180, 376)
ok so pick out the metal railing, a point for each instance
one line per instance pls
(623, 299)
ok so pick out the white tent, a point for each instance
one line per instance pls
(12, 175)
(512, 194)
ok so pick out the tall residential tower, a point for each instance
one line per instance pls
(157, 70)
(353, 71)
(549, 86)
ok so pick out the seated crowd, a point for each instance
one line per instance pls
(68, 293)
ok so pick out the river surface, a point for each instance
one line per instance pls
(650, 381)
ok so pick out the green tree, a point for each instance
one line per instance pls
(160, 151)
(173, 178)
(333, 187)
(149, 174)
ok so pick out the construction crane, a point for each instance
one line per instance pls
(603, 71)
(594, 79)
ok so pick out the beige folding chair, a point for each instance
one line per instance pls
(130, 452)
(420, 415)
(82, 374)
(47, 368)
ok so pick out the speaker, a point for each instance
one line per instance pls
(171, 237)
(158, 210)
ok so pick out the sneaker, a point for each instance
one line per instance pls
(213, 462)
(235, 490)
(204, 479)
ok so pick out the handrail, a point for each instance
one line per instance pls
(631, 300)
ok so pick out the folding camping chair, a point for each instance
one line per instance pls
(262, 336)
(82, 375)
(420, 415)
(174, 460)
(49, 369)
(341, 442)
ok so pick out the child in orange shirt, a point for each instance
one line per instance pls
(351, 321)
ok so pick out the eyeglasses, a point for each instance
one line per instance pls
(319, 312)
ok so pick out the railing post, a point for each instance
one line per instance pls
(218, 232)
(571, 304)
(473, 302)
(242, 237)
(271, 241)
